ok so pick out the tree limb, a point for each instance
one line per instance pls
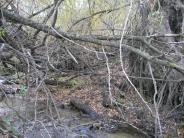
(59, 34)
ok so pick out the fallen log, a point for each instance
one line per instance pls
(107, 124)
(57, 82)
(91, 39)
(54, 82)
(85, 108)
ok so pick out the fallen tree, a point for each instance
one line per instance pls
(109, 125)
(92, 39)
(152, 50)
(85, 108)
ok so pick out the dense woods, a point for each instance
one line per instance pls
(119, 63)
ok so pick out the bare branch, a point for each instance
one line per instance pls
(19, 19)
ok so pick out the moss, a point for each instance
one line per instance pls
(3, 71)
(73, 83)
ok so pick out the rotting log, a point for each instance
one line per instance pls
(85, 108)
(54, 82)
(107, 124)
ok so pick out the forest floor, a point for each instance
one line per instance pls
(132, 108)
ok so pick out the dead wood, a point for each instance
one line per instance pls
(59, 34)
(85, 108)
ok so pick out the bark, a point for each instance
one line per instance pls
(85, 108)
(36, 13)
(52, 11)
(59, 34)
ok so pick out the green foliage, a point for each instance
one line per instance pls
(8, 120)
(73, 83)
(3, 71)
(71, 11)
(76, 82)
(2, 32)
(23, 90)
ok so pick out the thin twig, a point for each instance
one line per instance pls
(157, 118)
(121, 57)
(109, 76)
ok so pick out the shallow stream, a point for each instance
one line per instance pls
(71, 125)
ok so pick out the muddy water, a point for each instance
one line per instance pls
(100, 134)
(124, 135)
(11, 103)
(75, 124)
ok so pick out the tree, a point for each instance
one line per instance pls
(151, 42)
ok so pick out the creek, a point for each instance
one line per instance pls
(19, 113)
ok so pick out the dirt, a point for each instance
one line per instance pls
(132, 108)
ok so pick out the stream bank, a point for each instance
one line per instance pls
(66, 122)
